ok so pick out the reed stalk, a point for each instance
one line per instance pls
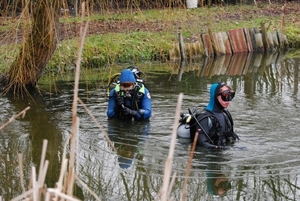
(87, 188)
(172, 184)
(64, 187)
(83, 30)
(20, 160)
(188, 167)
(35, 186)
(168, 166)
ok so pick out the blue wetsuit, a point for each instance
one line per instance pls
(139, 100)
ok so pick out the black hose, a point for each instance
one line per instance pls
(192, 113)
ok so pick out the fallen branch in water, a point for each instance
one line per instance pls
(23, 112)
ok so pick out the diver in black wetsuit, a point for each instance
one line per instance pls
(214, 124)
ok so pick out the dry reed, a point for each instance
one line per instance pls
(64, 186)
(70, 177)
(188, 167)
(168, 166)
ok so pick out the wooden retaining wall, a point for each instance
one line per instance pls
(241, 40)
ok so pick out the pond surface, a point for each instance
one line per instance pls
(265, 165)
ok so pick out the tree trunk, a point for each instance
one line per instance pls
(37, 49)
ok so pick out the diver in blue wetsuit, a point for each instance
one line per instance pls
(214, 124)
(129, 99)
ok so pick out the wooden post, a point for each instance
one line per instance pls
(181, 46)
(264, 37)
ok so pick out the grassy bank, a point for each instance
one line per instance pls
(149, 34)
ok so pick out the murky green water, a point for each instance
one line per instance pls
(264, 166)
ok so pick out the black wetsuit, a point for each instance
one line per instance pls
(216, 130)
(214, 124)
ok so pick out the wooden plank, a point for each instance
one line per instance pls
(208, 49)
(187, 50)
(253, 34)
(174, 52)
(248, 40)
(226, 42)
(270, 41)
(265, 40)
(222, 47)
(259, 42)
(197, 49)
(217, 43)
(275, 41)
(238, 40)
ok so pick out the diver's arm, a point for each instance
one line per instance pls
(146, 106)
(204, 141)
(111, 105)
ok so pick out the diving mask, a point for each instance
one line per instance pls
(227, 95)
(126, 86)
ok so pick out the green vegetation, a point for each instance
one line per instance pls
(149, 34)
(104, 50)
(293, 35)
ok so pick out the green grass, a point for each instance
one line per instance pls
(154, 42)
(293, 35)
(104, 50)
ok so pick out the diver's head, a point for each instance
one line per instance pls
(220, 96)
(127, 80)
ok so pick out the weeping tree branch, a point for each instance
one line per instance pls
(36, 50)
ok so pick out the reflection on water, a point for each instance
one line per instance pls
(230, 65)
(265, 111)
(128, 146)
